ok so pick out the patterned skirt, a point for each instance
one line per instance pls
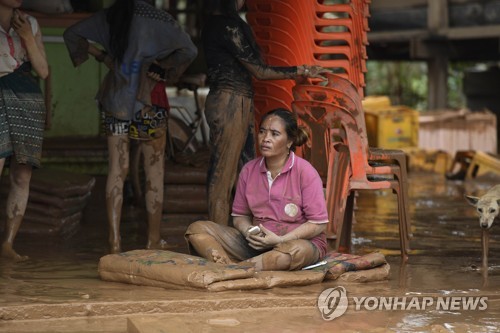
(22, 117)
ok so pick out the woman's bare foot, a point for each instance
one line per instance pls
(159, 245)
(9, 253)
(217, 258)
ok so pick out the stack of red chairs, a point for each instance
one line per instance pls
(314, 32)
(331, 34)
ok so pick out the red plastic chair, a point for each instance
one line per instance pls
(358, 176)
(375, 155)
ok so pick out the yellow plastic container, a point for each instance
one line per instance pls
(392, 127)
(376, 102)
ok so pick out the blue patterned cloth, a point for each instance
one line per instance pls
(22, 117)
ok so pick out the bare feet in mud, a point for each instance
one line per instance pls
(9, 253)
(160, 245)
(218, 259)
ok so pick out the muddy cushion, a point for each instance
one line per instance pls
(181, 271)
(167, 269)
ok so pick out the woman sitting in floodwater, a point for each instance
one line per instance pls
(279, 192)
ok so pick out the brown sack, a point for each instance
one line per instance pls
(61, 183)
(270, 279)
(167, 269)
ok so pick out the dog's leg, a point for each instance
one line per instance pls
(485, 242)
(484, 269)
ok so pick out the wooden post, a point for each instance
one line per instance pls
(437, 66)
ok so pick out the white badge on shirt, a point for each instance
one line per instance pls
(291, 209)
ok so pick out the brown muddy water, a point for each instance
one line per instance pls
(58, 289)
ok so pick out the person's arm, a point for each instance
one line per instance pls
(77, 37)
(265, 72)
(33, 44)
(242, 223)
(177, 54)
(101, 56)
(241, 48)
(269, 239)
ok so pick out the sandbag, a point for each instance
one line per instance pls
(51, 200)
(379, 273)
(167, 269)
(340, 263)
(271, 279)
(52, 221)
(60, 183)
(173, 270)
(41, 209)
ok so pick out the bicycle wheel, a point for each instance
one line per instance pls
(179, 135)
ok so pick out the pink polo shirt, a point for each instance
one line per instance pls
(293, 198)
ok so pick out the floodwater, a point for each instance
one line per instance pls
(58, 289)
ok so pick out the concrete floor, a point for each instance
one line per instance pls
(59, 290)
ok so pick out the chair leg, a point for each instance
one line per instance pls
(403, 217)
(345, 234)
(338, 189)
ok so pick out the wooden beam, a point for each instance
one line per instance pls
(385, 4)
(485, 31)
(396, 36)
(457, 33)
(437, 14)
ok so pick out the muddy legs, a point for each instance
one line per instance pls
(153, 152)
(20, 176)
(118, 147)
(272, 261)
(207, 247)
(154, 161)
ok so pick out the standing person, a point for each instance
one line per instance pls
(22, 111)
(233, 58)
(280, 193)
(143, 47)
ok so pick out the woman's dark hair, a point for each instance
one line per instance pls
(296, 134)
(119, 16)
(229, 8)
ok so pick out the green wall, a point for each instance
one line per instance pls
(73, 106)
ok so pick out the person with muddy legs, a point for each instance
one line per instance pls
(233, 58)
(144, 48)
(281, 194)
(22, 111)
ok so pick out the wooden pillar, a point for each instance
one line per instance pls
(437, 65)
(437, 85)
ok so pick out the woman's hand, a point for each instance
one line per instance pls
(156, 72)
(314, 71)
(265, 240)
(21, 25)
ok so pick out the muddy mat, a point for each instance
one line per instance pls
(173, 270)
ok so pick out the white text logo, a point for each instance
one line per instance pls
(333, 303)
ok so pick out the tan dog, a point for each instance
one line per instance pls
(488, 206)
